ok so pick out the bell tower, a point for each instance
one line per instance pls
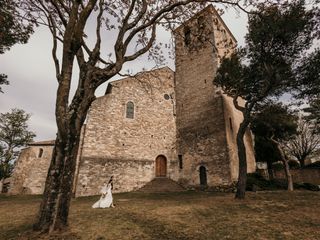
(202, 142)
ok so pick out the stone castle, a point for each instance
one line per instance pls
(158, 124)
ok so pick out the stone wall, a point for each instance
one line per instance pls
(127, 148)
(233, 118)
(30, 170)
(301, 175)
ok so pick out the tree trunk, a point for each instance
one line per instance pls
(242, 178)
(270, 170)
(288, 175)
(286, 165)
(1, 185)
(301, 161)
(54, 209)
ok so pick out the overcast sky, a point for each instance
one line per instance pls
(32, 77)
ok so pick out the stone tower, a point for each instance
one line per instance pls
(206, 120)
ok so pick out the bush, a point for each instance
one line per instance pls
(315, 165)
(277, 166)
(293, 164)
(256, 182)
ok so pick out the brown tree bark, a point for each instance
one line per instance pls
(242, 178)
(288, 175)
(1, 185)
(54, 209)
(302, 162)
(270, 171)
(58, 186)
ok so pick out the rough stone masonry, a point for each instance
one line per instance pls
(159, 123)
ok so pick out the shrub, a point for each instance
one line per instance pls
(277, 166)
(293, 164)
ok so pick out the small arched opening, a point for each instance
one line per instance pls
(40, 153)
(161, 166)
(203, 175)
(130, 110)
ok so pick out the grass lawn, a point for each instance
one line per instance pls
(186, 215)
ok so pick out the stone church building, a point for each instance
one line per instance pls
(158, 124)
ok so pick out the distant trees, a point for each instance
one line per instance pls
(304, 143)
(277, 36)
(14, 134)
(13, 29)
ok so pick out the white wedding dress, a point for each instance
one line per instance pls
(106, 199)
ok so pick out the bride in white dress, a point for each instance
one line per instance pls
(106, 199)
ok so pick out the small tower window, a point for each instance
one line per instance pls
(40, 153)
(130, 110)
(109, 89)
(201, 22)
(166, 96)
(230, 122)
(187, 36)
(180, 161)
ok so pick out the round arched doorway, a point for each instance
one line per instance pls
(161, 166)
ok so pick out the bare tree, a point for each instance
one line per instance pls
(127, 25)
(305, 143)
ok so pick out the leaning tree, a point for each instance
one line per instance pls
(127, 25)
(277, 35)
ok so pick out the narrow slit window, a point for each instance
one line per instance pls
(130, 110)
(40, 153)
(230, 122)
(180, 161)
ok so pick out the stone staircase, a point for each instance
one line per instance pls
(161, 184)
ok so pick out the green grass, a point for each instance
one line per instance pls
(186, 215)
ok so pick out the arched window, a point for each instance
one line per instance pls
(130, 110)
(40, 153)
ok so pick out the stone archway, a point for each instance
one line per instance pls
(161, 166)
(203, 175)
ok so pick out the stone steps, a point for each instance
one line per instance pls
(161, 184)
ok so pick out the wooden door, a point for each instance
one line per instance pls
(161, 166)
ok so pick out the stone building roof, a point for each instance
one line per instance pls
(139, 75)
(43, 143)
